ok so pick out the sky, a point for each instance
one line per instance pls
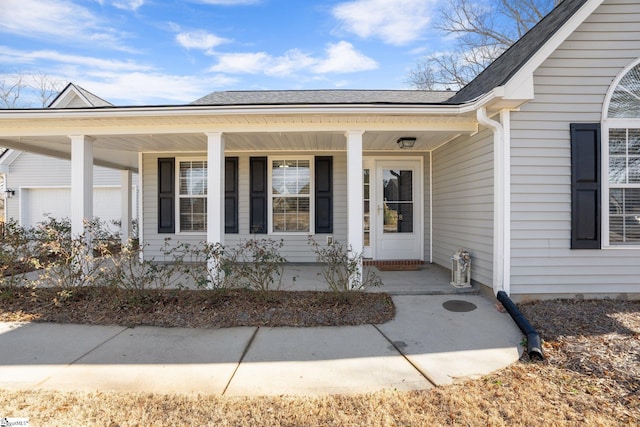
(146, 52)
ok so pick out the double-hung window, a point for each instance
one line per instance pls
(192, 195)
(622, 150)
(624, 186)
(290, 194)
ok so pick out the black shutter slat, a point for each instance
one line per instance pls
(586, 204)
(231, 195)
(324, 194)
(166, 195)
(258, 195)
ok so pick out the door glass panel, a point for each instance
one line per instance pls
(367, 207)
(398, 201)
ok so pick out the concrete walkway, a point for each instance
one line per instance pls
(426, 344)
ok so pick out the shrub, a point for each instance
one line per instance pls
(258, 265)
(197, 259)
(342, 270)
(126, 270)
(17, 254)
(71, 262)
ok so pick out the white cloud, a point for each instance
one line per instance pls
(263, 63)
(396, 22)
(61, 20)
(31, 57)
(128, 4)
(120, 82)
(227, 2)
(199, 39)
(151, 88)
(340, 57)
(343, 58)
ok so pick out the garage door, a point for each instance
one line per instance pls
(38, 203)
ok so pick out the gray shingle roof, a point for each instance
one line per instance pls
(95, 100)
(280, 97)
(504, 67)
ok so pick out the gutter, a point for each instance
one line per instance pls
(501, 199)
(191, 110)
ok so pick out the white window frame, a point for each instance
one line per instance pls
(312, 207)
(179, 196)
(607, 124)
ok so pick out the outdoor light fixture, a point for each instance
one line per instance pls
(406, 141)
(9, 193)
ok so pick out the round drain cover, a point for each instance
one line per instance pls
(459, 306)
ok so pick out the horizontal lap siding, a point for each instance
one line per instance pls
(463, 202)
(570, 87)
(34, 170)
(296, 248)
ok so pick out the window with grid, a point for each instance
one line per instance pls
(290, 195)
(624, 186)
(192, 195)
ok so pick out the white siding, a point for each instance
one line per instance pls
(33, 170)
(570, 87)
(295, 248)
(463, 203)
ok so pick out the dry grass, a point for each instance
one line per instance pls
(590, 377)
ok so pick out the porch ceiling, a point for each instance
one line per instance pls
(121, 151)
(118, 140)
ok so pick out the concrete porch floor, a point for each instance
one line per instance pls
(429, 279)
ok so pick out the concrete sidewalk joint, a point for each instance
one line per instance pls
(404, 356)
(244, 353)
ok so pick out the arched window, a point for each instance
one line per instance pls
(621, 159)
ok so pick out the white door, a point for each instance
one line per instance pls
(397, 223)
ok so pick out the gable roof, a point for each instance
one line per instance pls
(75, 96)
(280, 97)
(501, 70)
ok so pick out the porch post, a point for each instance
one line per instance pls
(215, 199)
(82, 195)
(355, 197)
(125, 206)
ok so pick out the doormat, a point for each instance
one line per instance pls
(398, 267)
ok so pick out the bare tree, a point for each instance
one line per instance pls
(482, 30)
(16, 88)
(10, 89)
(45, 87)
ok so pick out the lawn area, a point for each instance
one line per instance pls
(590, 377)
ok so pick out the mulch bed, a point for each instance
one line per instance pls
(193, 308)
(596, 339)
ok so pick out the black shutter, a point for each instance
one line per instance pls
(231, 195)
(585, 186)
(324, 194)
(166, 195)
(258, 195)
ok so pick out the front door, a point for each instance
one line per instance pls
(393, 209)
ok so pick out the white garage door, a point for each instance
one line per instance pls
(37, 203)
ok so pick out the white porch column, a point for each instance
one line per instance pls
(355, 199)
(81, 183)
(82, 193)
(125, 206)
(215, 196)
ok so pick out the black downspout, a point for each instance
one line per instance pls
(534, 344)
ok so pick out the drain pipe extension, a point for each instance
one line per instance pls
(534, 344)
